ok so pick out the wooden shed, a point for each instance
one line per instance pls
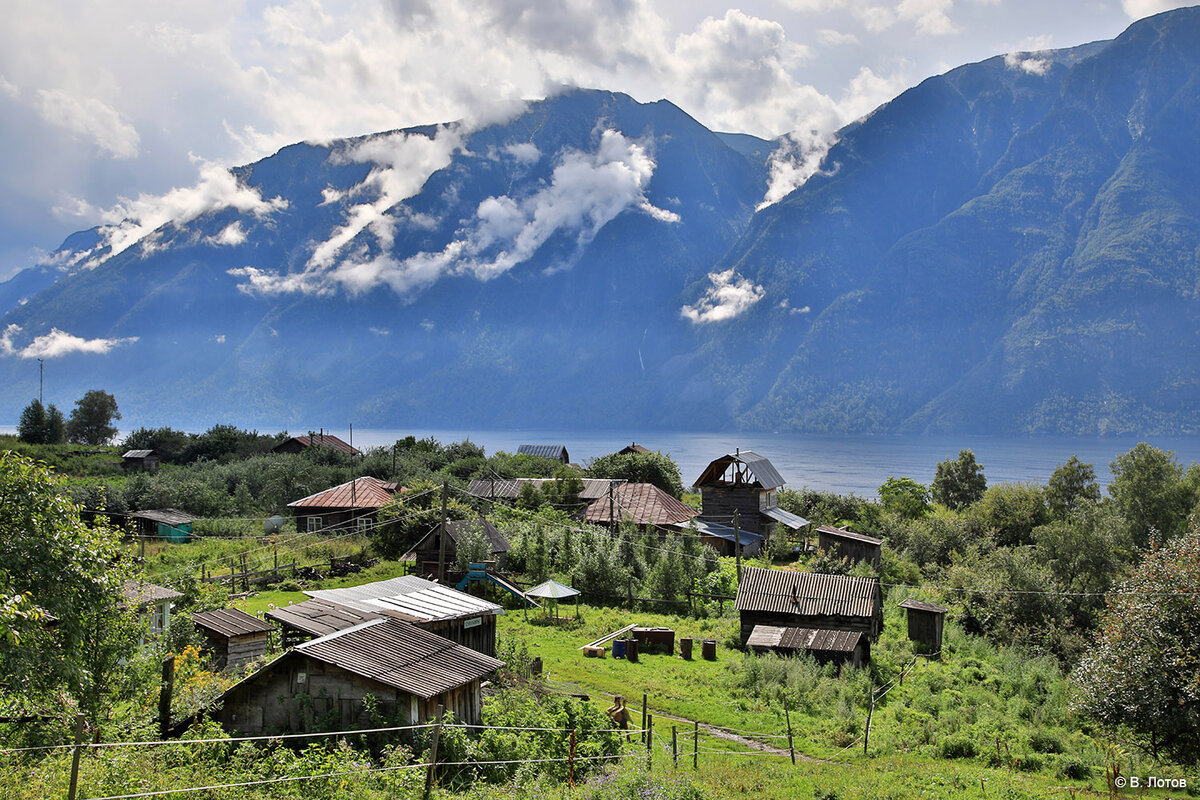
(354, 504)
(233, 636)
(165, 523)
(849, 545)
(748, 484)
(146, 460)
(426, 552)
(787, 599)
(837, 647)
(323, 683)
(925, 622)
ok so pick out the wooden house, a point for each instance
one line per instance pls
(925, 622)
(354, 504)
(632, 448)
(407, 671)
(165, 523)
(555, 452)
(152, 602)
(849, 545)
(643, 504)
(836, 647)
(232, 636)
(458, 616)
(298, 444)
(144, 460)
(787, 599)
(426, 552)
(748, 484)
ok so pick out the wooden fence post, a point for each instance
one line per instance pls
(431, 767)
(164, 696)
(649, 741)
(696, 745)
(674, 749)
(645, 734)
(870, 713)
(75, 757)
(791, 745)
(571, 760)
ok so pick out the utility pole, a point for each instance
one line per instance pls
(442, 535)
(737, 544)
(41, 380)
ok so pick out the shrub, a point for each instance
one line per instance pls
(958, 746)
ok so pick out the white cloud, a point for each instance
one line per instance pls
(219, 338)
(828, 36)
(1137, 9)
(729, 297)
(524, 152)
(56, 343)
(231, 235)
(1026, 63)
(928, 17)
(9, 89)
(89, 119)
(379, 331)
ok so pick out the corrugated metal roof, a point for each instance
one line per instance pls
(322, 440)
(921, 605)
(144, 593)
(554, 451)
(509, 488)
(810, 639)
(706, 528)
(761, 470)
(415, 598)
(136, 453)
(400, 655)
(644, 503)
(785, 518)
(230, 622)
(841, 533)
(365, 492)
(169, 516)
(807, 593)
(320, 617)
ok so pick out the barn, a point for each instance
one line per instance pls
(788, 599)
(324, 683)
(849, 545)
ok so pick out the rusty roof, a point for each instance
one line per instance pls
(841, 533)
(509, 488)
(321, 440)
(365, 492)
(230, 622)
(318, 617)
(921, 605)
(749, 468)
(810, 639)
(403, 656)
(643, 503)
(807, 593)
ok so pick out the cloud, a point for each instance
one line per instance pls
(56, 343)
(1137, 9)
(830, 37)
(1025, 63)
(231, 235)
(729, 297)
(89, 119)
(380, 331)
(9, 89)
(587, 190)
(524, 152)
(928, 17)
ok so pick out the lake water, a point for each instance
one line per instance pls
(843, 464)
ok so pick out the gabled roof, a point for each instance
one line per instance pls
(167, 516)
(416, 599)
(810, 639)
(840, 533)
(459, 528)
(632, 448)
(366, 492)
(320, 440)
(137, 453)
(553, 451)
(807, 594)
(510, 488)
(144, 594)
(921, 605)
(319, 617)
(230, 622)
(643, 503)
(749, 469)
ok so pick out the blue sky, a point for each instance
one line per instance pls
(133, 109)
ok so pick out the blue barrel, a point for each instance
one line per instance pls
(618, 648)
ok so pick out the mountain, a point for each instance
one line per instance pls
(1009, 247)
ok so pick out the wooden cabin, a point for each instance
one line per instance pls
(324, 682)
(554, 452)
(354, 504)
(143, 460)
(925, 622)
(852, 546)
(748, 484)
(298, 444)
(426, 552)
(827, 647)
(788, 599)
(165, 523)
(152, 602)
(232, 636)
(643, 504)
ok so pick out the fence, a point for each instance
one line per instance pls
(338, 566)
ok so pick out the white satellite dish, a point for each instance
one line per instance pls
(273, 524)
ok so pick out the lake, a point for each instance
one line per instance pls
(844, 464)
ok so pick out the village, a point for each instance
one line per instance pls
(692, 626)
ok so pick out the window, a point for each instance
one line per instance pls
(314, 524)
(364, 524)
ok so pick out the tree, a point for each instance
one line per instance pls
(656, 468)
(1071, 486)
(91, 422)
(1141, 675)
(1010, 512)
(40, 425)
(168, 443)
(905, 496)
(960, 482)
(1149, 489)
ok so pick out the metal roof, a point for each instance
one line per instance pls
(509, 488)
(398, 654)
(807, 593)
(552, 590)
(365, 492)
(415, 598)
(230, 622)
(643, 503)
(921, 605)
(136, 453)
(706, 528)
(321, 440)
(319, 617)
(144, 594)
(167, 516)
(840, 533)
(785, 518)
(553, 451)
(761, 471)
(810, 639)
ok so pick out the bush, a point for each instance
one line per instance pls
(958, 746)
